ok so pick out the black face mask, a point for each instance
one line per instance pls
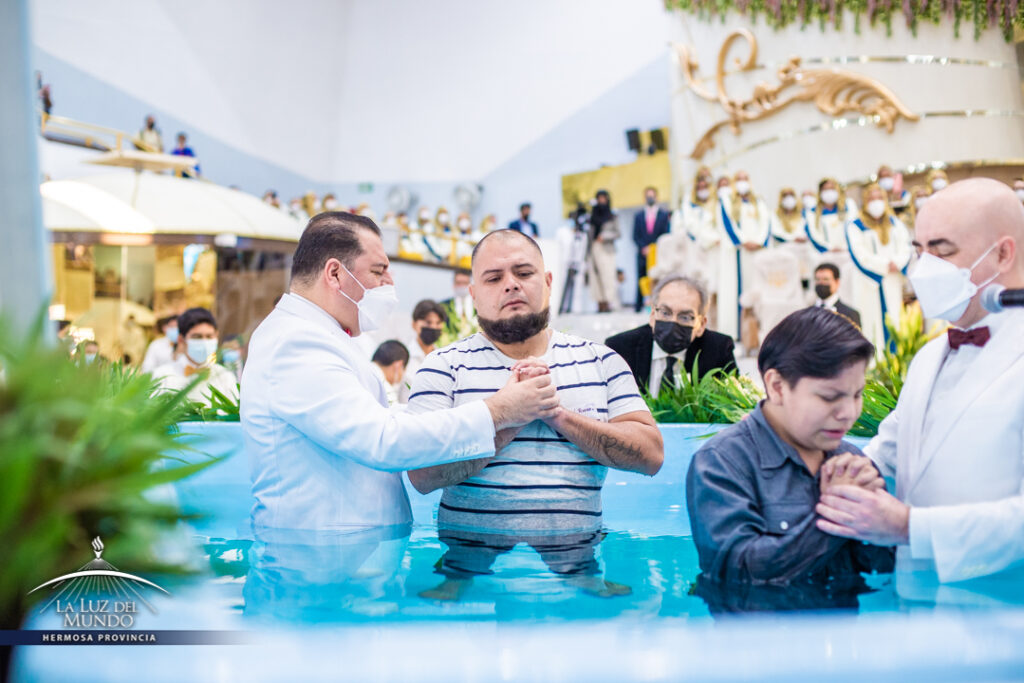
(429, 335)
(671, 336)
(823, 291)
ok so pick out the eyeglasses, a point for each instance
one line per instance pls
(665, 313)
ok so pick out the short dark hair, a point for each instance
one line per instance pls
(506, 234)
(161, 323)
(462, 271)
(390, 351)
(525, 205)
(831, 267)
(813, 342)
(331, 234)
(424, 308)
(193, 317)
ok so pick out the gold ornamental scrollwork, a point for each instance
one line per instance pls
(834, 91)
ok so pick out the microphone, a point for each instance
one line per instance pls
(996, 298)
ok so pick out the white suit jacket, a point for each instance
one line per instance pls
(965, 481)
(324, 450)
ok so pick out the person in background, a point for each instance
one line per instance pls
(182, 149)
(270, 197)
(459, 308)
(89, 352)
(937, 180)
(197, 355)
(231, 355)
(955, 442)
(390, 361)
(677, 331)
(919, 194)
(746, 221)
(329, 202)
(523, 224)
(163, 349)
(604, 230)
(150, 135)
(880, 248)
(428, 323)
(892, 184)
(1018, 188)
(751, 490)
(43, 90)
(649, 224)
(826, 221)
(789, 231)
(826, 291)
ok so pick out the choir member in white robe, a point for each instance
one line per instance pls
(892, 184)
(880, 246)
(789, 231)
(826, 229)
(746, 223)
(700, 224)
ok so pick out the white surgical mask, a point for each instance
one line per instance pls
(200, 350)
(442, 218)
(810, 202)
(887, 183)
(743, 187)
(876, 208)
(724, 192)
(703, 195)
(830, 196)
(330, 205)
(919, 202)
(789, 202)
(939, 183)
(376, 305)
(231, 356)
(461, 292)
(944, 290)
(464, 224)
(1020, 193)
(172, 335)
(90, 357)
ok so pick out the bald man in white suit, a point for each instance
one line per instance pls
(955, 442)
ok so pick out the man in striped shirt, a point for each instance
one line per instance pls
(546, 477)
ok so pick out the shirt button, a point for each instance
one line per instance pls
(784, 525)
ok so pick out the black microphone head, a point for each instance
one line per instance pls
(990, 298)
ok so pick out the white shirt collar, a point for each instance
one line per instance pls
(299, 305)
(831, 301)
(659, 353)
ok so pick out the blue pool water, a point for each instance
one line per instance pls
(626, 605)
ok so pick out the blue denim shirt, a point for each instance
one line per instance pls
(751, 502)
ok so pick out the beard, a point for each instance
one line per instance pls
(516, 329)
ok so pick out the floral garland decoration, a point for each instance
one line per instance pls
(1006, 14)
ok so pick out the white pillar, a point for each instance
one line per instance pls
(25, 280)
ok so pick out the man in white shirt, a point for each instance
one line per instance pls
(325, 452)
(161, 350)
(955, 442)
(390, 361)
(197, 355)
(460, 306)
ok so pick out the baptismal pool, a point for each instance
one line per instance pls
(373, 606)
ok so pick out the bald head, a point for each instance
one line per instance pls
(963, 221)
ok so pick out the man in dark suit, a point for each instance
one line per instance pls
(648, 225)
(826, 288)
(524, 224)
(677, 331)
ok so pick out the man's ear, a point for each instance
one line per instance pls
(548, 278)
(773, 385)
(332, 272)
(1007, 254)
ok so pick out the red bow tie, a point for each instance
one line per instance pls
(978, 337)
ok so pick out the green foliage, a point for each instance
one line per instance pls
(982, 14)
(80, 445)
(218, 407)
(716, 398)
(885, 379)
(456, 328)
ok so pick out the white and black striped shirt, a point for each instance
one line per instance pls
(540, 480)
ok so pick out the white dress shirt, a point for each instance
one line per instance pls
(324, 450)
(172, 377)
(160, 352)
(829, 303)
(463, 306)
(659, 361)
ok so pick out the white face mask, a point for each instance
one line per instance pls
(464, 224)
(330, 205)
(231, 356)
(442, 218)
(876, 208)
(939, 183)
(789, 202)
(172, 335)
(743, 187)
(724, 192)
(919, 202)
(461, 292)
(810, 202)
(830, 196)
(944, 290)
(375, 307)
(887, 183)
(1020, 193)
(424, 217)
(200, 350)
(702, 195)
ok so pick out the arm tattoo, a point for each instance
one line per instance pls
(618, 452)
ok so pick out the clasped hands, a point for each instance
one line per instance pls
(528, 395)
(855, 504)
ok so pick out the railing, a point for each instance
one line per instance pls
(447, 245)
(70, 131)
